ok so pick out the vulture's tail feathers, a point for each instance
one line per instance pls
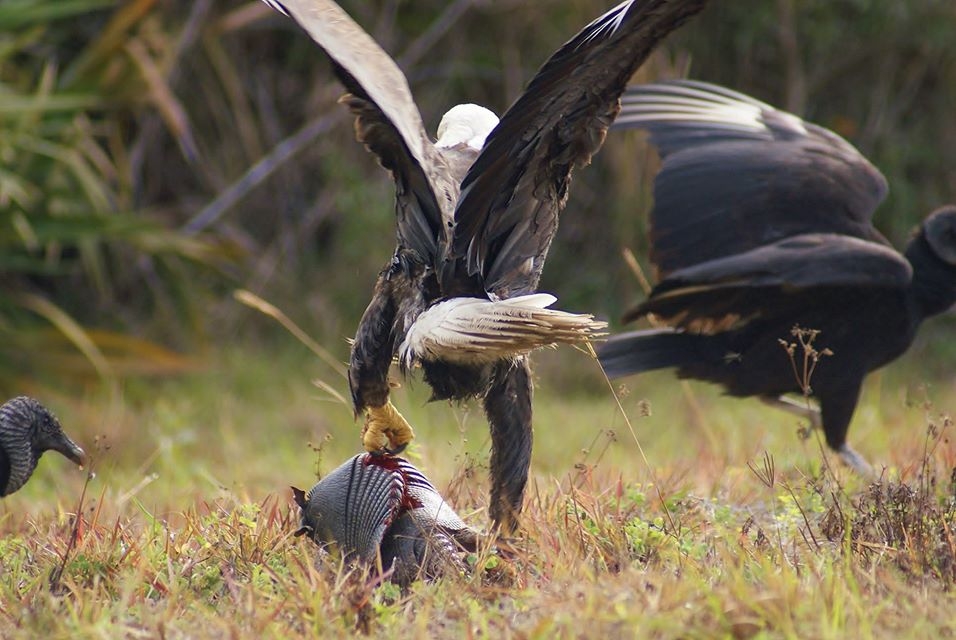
(637, 351)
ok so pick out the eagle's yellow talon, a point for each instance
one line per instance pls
(386, 431)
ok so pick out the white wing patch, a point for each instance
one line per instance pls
(688, 101)
(606, 24)
(275, 4)
(477, 330)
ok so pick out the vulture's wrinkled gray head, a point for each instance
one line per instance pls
(382, 506)
(27, 429)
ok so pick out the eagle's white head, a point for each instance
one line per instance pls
(466, 123)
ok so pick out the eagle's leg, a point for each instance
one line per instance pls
(508, 407)
(386, 430)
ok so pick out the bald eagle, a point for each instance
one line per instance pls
(761, 222)
(476, 212)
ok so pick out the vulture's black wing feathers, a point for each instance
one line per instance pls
(738, 173)
(724, 292)
(510, 199)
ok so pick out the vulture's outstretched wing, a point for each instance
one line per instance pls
(510, 199)
(738, 173)
(780, 278)
(387, 120)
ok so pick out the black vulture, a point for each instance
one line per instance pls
(382, 508)
(459, 294)
(762, 223)
(27, 429)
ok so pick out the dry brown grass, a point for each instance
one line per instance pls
(186, 528)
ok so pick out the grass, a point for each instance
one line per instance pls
(121, 128)
(734, 530)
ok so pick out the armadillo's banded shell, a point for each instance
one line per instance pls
(375, 506)
(353, 506)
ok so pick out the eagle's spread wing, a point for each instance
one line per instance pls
(510, 199)
(738, 173)
(387, 120)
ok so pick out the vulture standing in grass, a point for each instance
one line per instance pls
(27, 429)
(476, 212)
(762, 222)
(381, 508)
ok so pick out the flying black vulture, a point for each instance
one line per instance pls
(762, 222)
(27, 429)
(474, 228)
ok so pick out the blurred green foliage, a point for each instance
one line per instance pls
(77, 250)
(154, 154)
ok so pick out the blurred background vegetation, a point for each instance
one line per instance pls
(155, 155)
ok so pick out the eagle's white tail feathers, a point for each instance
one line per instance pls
(474, 330)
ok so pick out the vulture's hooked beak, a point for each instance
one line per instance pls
(71, 450)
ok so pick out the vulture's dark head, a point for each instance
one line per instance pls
(940, 231)
(932, 252)
(27, 429)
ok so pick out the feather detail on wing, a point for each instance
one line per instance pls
(511, 198)
(738, 174)
(387, 121)
(726, 293)
(476, 330)
(275, 4)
